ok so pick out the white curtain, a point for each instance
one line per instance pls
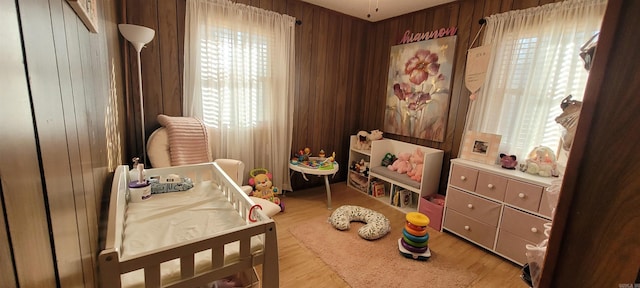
(535, 63)
(239, 79)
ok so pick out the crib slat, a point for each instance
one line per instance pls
(152, 276)
(187, 266)
(217, 256)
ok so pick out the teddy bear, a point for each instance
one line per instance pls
(417, 161)
(263, 188)
(401, 165)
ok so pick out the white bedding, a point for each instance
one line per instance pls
(172, 218)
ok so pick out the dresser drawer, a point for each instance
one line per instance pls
(545, 208)
(512, 247)
(524, 195)
(471, 229)
(491, 185)
(473, 206)
(523, 225)
(463, 177)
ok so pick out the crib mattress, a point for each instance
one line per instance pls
(173, 218)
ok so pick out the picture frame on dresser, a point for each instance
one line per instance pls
(480, 147)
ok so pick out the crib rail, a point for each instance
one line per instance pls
(112, 264)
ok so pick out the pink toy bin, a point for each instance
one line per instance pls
(432, 206)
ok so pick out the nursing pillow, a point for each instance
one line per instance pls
(377, 225)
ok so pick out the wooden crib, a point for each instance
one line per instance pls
(114, 262)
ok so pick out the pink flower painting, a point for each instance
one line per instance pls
(418, 88)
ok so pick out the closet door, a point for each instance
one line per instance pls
(25, 233)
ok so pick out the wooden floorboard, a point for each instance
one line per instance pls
(299, 267)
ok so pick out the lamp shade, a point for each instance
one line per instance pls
(136, 34)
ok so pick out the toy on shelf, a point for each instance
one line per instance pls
(401, 165)
(263, 187)
(388, 159)
(417, 162)
(361, 167)
(365, 138)
(414, 243)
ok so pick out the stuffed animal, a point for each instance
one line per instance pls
(508, 161)
(542, 161)
(263, 187)
(417, 161)
(401, 165)
(364, 139)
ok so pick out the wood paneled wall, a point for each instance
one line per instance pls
(61, 140)
(329, 56)
(341, 67)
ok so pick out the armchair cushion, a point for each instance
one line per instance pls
(188, 140)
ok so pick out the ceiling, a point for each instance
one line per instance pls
(386, 8)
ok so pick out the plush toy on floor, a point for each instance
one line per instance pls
(263, 187)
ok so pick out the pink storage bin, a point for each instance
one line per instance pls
(433, 207)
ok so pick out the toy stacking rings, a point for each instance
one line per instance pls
(415, 238)
(415, 244)
(417, 219)
(415, 232)
(415, 227)
(413, 249)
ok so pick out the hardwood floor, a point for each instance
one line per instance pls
(299, 267)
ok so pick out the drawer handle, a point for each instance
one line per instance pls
(490, 186)
(521, 195)
(470, 206)
(463, 178)
(534, 230)
(466, 227)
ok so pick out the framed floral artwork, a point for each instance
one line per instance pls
(418, 88)
(480, 147)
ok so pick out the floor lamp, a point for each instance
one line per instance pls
(138, 36)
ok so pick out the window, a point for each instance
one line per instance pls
(224, 72)
(566, 76)
(535, 64)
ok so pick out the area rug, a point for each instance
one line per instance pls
(363, 263)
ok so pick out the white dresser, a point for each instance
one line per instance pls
(499, 209)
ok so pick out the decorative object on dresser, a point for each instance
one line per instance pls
(498, 209)
(508, 161)
(542, 161)
(480, 147)
(395, 182)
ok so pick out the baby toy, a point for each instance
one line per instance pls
(365, 138)
(417, 161)
(508, 161)
(388, 159)
(303, 154)
(414, 243)
(542, 161)
(401, 165)
(263, 187)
